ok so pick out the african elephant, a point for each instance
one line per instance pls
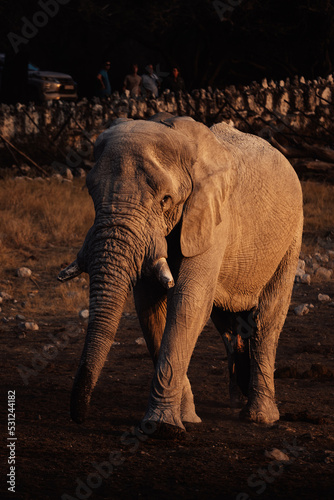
(198, 222)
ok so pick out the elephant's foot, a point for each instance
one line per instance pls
(261, 411)
(167, 431)
(164, 424)
(188, 414)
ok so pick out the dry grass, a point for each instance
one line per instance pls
(36, 215)
(43, 224)
(318, 207)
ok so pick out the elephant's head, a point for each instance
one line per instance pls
(149, 177)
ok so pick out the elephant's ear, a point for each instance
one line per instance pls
(210, 174)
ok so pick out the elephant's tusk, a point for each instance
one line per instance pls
(69, 272)
(163, 273)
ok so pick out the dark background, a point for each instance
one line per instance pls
(259, 38)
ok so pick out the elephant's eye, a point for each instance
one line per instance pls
(166, 202)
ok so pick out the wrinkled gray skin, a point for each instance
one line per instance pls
(225, 209)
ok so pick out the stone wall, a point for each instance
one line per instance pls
(304, 106)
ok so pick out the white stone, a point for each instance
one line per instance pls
(29, 325)
(84, 314)
(301, 265)
(67, 174)
(324, 273)
(276, 454)
(301, 310)
(23, 272)
(306, 279)
(140, 341)
(324, 298)
(57, 177)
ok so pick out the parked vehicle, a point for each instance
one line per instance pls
(46, 85)
(49, 85)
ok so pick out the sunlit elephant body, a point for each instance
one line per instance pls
(225, 209)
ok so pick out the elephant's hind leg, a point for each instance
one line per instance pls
(269, 318)
(151, 305)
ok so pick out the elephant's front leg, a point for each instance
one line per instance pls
(189, 308)
(151, 305)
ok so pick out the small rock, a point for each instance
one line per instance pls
(5, 296)
(22, 335)
(303, 278)
(301, 310)
(84, 314)
(49, 347)
(57, 177)
(25, 168)
(29, 325)
(330, 254)
(306, 279)
(321, 258)
(329, 456)
(301, 264)
(1, 299)
(323, 298)
(23, 272)
(276, 454)
(80, 173)
(116, 343)
(67, 173)
(140, 341)
(314, 266)
(20, 317)
(7, 319)
(324, 273)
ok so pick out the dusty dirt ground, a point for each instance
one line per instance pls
(220, 458)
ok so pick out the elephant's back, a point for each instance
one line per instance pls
(260, 165)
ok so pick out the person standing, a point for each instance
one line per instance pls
(150, 82)
(103, 83)
(132, 82)
(174, 82)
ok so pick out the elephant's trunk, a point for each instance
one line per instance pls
(105, 310)
(113, 265)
